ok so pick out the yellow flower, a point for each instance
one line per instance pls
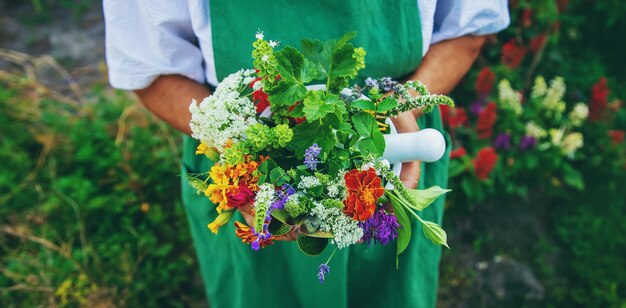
(220, 220)
(209, 152)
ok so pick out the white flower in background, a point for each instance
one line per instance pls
(540, 87)
(535, 130)
(556, 136)
(509, 98)
(579, 114)
(223, 116)
(274, 43)
(571, 143)
(346, 230)
(553, 100)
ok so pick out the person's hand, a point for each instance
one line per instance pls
(407, 123)
(246, 212)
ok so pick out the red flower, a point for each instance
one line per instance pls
(617, 136)
(599, 99)
(486, 119)
(240, 196)
(484, 162)
(512, 54)
(246, 235)
(364, 189)
(260, 98)
(484, 81)
(453, 117)
(527, 15)
(536, 42)
(458, 153)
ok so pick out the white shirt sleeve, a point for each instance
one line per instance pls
(455, 18)
(145, 39)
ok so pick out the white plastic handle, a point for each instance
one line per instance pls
(427, 145)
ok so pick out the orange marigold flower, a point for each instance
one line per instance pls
(246, 234)
(364, 189)
(233, 186)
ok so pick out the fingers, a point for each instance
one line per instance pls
(410, 174)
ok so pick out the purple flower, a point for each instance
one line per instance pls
(381, 227)
(387, 83)
(371, 82)
(503, 141)
(310, 156)
(476, 108)
(283, 196)
(323, 270)
(527, 142)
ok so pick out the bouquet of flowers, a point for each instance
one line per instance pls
(314, 159)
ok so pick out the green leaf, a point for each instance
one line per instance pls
(363, 105)
(292, 64)
(573, 177)
(286, 93)
(317, 105)
(387, 104)
(404, 232)
(435, 233)
(379, 142)
(306, 134)
(363, 123)
(281, 215)
(278, 228)
(311, 246)
(276, 174)
(425, 197)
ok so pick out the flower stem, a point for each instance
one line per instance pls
(331, 256)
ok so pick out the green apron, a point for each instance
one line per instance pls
(280, 275)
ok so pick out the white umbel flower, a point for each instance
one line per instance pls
(346, 231)
(579, 114)
(223, 116)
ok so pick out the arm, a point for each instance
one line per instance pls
(442, 68)
(169, 96)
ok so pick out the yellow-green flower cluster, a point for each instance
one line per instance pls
(262, 137)
(264, 59)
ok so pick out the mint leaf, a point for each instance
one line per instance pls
(387, 104)
(363, 123)
(363, 105)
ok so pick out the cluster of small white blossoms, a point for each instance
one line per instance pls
(262, 203)
(346, 231)
(554, 94)
(307, 182)
(225, 115)
(535, 130)
(336, 188)
(569, 143)
(509, 98)
(579, 114)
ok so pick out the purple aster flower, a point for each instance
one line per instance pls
(503, 141)
(527, 142)
(381, 227)
(371, 82)
(476, 108)
(323, 270)
(255, 245)
(310, 156)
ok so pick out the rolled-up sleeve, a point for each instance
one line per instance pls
(455, 18)
(145, 39)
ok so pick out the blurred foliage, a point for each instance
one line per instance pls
(90, 210)
(569, 236)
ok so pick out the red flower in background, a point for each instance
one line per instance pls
(453, 117)
(527, 17)
(458, 153)
(484, 162)
(617, 136)
(599, 99)
(486, 119)
(536, 42)
(512, 54)
(484, 81)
